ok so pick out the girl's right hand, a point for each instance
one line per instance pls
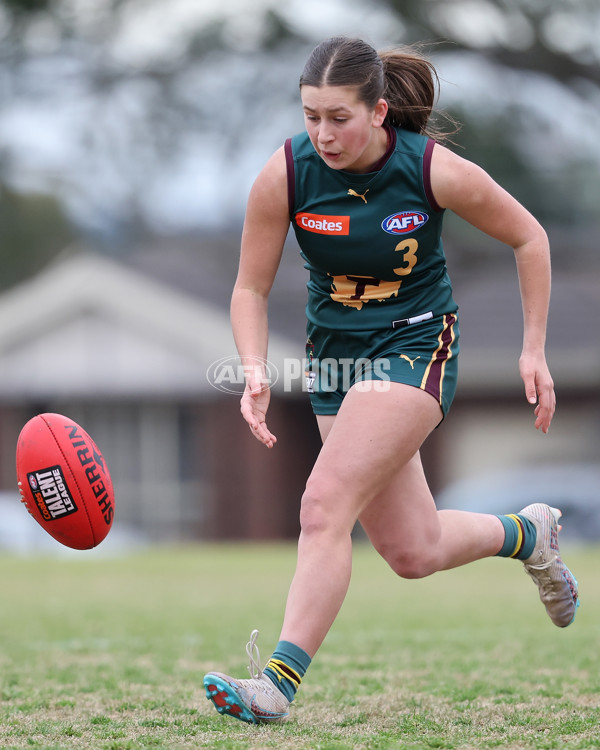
(254, 405)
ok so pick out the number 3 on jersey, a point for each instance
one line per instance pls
(355, 291)
(410, 246)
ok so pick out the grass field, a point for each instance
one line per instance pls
(109, 653)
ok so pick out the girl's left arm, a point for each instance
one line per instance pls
(472, 194)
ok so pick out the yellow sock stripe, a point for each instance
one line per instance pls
(284, 671)
(519, 544)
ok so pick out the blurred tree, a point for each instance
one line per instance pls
(17, 7)
(33, 231)
(137, 114)
(558, 38)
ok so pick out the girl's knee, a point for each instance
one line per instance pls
(412, 560)
(321, 510)
(412, 566)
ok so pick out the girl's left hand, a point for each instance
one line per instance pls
(539, 388)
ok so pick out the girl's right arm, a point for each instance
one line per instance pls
(265, 229)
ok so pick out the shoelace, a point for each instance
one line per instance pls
(254, 655)
(542, 566)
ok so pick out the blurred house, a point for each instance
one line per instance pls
(126, 350)
(129, 358)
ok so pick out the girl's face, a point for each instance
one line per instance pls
(344, 132)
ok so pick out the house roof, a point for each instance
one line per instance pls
(89, 326)
(491, 324)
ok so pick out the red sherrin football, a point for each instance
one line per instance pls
(64, 481)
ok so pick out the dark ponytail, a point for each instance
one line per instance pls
(403, 77)
(411, 89)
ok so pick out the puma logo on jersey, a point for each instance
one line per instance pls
(410, 361)
(358, 195)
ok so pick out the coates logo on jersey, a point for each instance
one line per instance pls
(321, 224)
(404, 222)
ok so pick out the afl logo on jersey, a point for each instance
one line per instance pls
(404, 222)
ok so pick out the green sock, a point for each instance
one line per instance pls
(520, 537)
(287, 667)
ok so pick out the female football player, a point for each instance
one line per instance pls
(366, 188)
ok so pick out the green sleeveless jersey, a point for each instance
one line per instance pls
(371, 242)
